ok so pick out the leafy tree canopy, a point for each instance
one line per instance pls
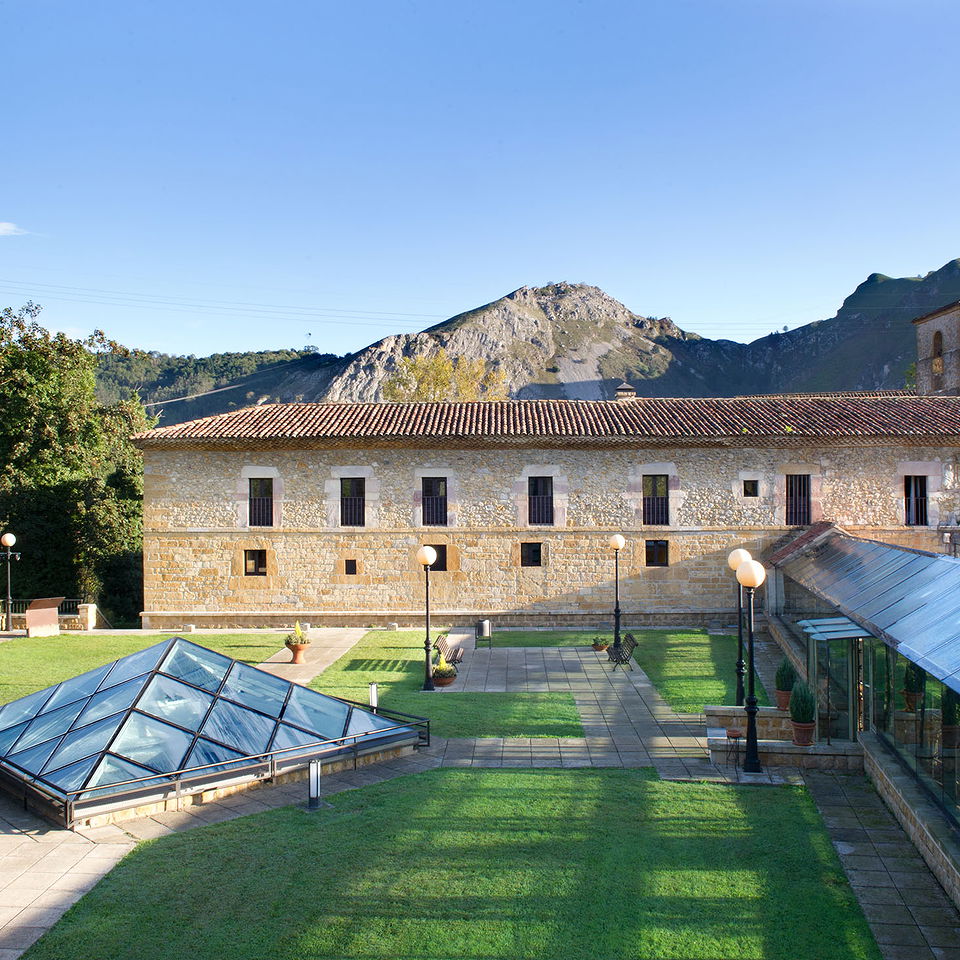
(439, 377)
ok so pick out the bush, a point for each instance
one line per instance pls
(803, 704)
(786, 675)
(298, 638)
(443, 669)
(913, 679)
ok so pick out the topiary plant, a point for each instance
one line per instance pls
(803, 704)
(786, 675)
(443, 669)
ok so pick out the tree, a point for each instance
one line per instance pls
(438, 377)
(70, 480)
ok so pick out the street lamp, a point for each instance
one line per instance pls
(750, 574)
(617, 543)
(8, 540)
(734, 560)
(427, 556)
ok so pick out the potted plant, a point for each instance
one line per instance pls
(296, 643)
(803, 712)
(443, 673)
(783, 685)
(949, 711)
(912, 686)
(600, 643)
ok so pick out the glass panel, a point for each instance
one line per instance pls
(362, 722)
(323, 715)
(148, 741)
(290, 737)
(83, 742)
(256, 688)
(833, 688)
(116, 770)
(72, 777)
(202, 668)
(34, 758)
(111, 700)
(207, 752)
(176, 702)
(236, 727)
(78, 687)
(23, 709)
(137, 663)
(9, 736)
(49, 725)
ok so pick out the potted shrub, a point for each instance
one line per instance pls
(600, 643)
(912, 686)
(949, 714)
(783, 686)
(803, 712)
(296, 643)
(443, 673)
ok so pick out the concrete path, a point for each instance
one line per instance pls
(327, 644)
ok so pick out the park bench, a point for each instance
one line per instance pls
(624, 656)
(453, 655)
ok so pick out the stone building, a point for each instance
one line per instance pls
(316, 511)
(938, 351)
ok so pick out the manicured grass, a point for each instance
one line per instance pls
(544, 864)
(394, 660)
(689, 668)
(31, 664)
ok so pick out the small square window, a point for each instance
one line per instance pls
(350, 567)
(254, 563)
(531, 554)
(441, 562)
(657, 553)
(751, 488)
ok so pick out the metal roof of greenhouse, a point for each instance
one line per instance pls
(173, 714)
(908, 598)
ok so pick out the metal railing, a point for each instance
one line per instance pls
(435, 511)
(656, 511)
(540, 509)
(353, 511)
(261, 511)
(915, 510)
(67, 608)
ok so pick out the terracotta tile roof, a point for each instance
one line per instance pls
(783, 418)
(809, 536)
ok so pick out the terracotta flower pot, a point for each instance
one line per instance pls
(298, 650)
(911, 699)
(443, 681)
(600, 646)
(782, 698)
(803, 733)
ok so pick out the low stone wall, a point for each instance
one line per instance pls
(923, 821)
(841, 755)
(772, 724)
(787, 643)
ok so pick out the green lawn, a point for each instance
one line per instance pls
(394, 660)
(486, 864)
(27, 665)
(689, 668)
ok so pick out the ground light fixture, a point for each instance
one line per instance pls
(735, 558)
(374, 697)
(427, 556)
(750, 574)
(8, 540)
(617, 543)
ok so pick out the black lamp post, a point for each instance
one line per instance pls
(617, 543)
(750, 574)
(8, 540)
(734, 560)
(428, 557)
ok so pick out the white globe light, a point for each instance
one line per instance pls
(427, 556)
(8, 539)
(737, 557)
(617, 542)
(751, 573)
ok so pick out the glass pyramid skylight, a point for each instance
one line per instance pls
(173, 716)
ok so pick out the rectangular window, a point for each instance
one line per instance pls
(656, 499)
(434, 494)
(531, 554)
(261, 502)
(441, 562)
(353, 501)
(540, 500)
(751, 488)
(915, 501)
(254, 563)
(798, 499)
(350, 567)
(657, 553)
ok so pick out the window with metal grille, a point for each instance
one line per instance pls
(261, 502)
(353, 501)
(531, 554)
(540, 500)
(350, 567)
(440, 564)
(798, 499)
(434, 496)
(254, 563)
(656, 499)
(915, 501)
(751, 488)
(657, 553)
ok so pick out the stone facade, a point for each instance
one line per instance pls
(196, 531)
(938, 352)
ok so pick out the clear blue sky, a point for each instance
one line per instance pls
(204, 176)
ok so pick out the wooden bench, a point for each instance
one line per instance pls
(453, 655)
(623, 657)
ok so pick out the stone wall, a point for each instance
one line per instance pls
(196, 532)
